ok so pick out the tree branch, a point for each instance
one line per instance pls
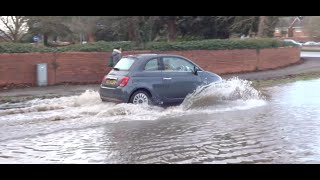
(14, 27)
(4, 39)
(5, 34)
(238, 24)
(7, 24)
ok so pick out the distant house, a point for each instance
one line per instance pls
(292, 28)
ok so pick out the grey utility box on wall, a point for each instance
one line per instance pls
(42, 74)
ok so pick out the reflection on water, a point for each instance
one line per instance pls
(241, 128)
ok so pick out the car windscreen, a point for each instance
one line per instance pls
(124, 64)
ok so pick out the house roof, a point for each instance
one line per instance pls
(287, 22)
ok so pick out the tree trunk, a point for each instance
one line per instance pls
(131, 30)
(91, 37)
(267, 25)
(262, 26)
(15, 38)
(45, 39)
(290, 32)
(172, 30)
(214, 29)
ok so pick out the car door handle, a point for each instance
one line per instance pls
(167, 78)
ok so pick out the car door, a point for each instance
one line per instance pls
(150, 77)
(178, 77)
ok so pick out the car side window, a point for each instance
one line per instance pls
(177, 64)
(152, 65)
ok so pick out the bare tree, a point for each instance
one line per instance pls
(267, 25)
(13, 28)
(312, 26)
(48, 26)
(83, 25)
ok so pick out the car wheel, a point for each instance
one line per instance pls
(140, 97)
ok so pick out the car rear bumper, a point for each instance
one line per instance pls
(117, 95)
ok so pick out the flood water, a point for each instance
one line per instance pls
(230, 122)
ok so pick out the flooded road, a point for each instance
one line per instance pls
(229, 122)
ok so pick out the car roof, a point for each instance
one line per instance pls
(148, 56)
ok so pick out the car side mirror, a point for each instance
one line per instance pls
(195, 70)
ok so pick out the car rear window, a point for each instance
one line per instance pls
(124, 64)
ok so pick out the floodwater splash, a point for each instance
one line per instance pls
(225, 92)
(227, 95)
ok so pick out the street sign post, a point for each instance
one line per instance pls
(36, 39)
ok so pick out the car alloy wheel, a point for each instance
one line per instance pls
(140, 98)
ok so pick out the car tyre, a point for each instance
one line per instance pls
(140, 97)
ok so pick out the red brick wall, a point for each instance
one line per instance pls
(83, 67)
(274, 58)
(21, 68)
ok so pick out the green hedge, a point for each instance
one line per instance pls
(218, 44)
(101, 46)
(22, 48)
(90, 47)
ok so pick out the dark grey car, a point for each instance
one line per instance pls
(153, 78)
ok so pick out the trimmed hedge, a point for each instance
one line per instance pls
(90, 47)
(22, 48)
(219, 44)
(101, 46)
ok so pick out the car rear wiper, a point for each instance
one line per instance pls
(117, 69)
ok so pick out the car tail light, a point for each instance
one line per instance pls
(104, 79)
(124, 81)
